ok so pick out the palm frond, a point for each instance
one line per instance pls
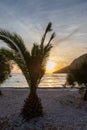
(14, 41)
(51, 38)
(48, 29)
(11, 55)
(34, 50)
(7, 37)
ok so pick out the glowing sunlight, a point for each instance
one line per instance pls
(50, 67)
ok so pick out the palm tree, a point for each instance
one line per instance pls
(32, 65)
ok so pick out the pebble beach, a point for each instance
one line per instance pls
(63, 110)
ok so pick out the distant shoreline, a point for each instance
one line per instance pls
(40, 87)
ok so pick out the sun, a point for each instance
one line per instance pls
(50, 67)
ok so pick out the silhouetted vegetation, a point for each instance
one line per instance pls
(32, 65)
(78, 75)
(5, 69)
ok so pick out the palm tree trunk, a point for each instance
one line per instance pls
(33, 90)
(32, 107)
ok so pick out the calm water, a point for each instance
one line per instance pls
(49, 80)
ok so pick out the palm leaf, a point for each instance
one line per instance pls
(16, 57)
(48, 29)
(14, 41)
(51, 38)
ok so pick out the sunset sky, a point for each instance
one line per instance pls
(30, 17)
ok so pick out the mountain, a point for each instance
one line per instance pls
(63, 70)
(74, 63)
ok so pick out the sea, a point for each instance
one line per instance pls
(17, 80)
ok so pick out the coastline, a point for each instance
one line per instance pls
(40, 88)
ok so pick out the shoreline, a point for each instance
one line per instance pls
(40, 88)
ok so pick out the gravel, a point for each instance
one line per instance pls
(63, 110)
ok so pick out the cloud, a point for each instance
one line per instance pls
(30, 17)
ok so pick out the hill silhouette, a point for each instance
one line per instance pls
(73, 64)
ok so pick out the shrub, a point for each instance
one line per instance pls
(5, 69)
(78, 75)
